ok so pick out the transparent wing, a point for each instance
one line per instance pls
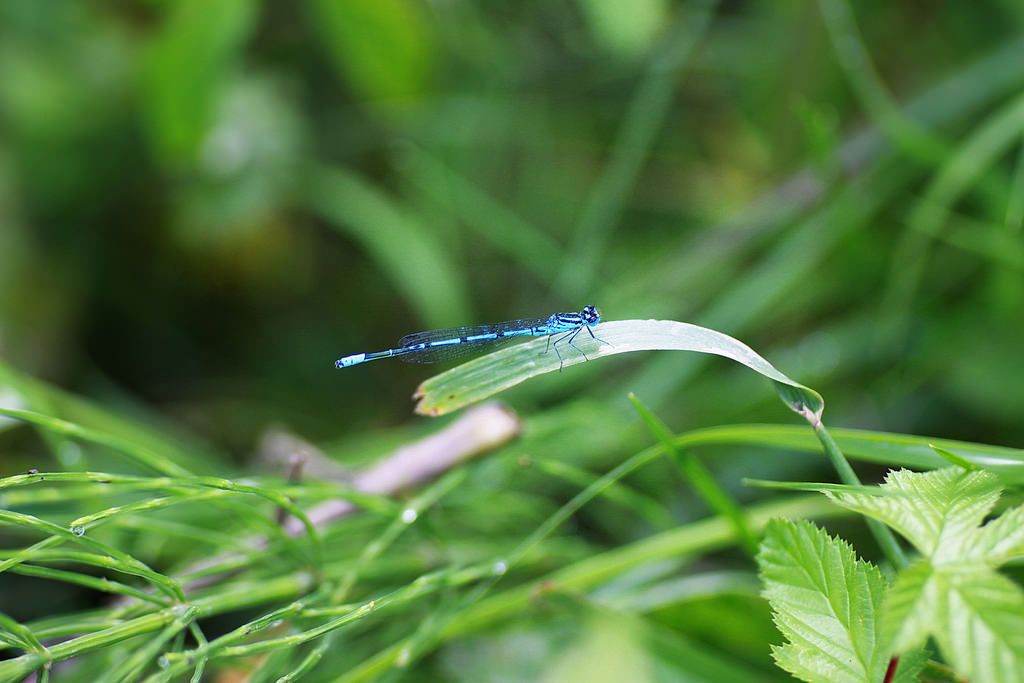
(497, 333)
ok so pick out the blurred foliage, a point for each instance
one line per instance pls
(168, 171)
(204, 204)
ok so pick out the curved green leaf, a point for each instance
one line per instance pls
(486, 376)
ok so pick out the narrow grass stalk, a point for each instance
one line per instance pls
(703, 482)
(694, 538)
(883, 535)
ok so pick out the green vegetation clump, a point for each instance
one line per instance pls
(204, 204)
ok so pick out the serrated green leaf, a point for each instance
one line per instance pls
(1002, 538)
(984, 637)
(826, 602)
(910, 665)
(909, 607)
(953, 594)
(974, 615)
(935, 511)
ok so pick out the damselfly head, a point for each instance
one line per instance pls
(590, 315)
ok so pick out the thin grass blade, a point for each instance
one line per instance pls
(483, 377)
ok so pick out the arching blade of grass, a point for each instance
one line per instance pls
(699, 477)
(486, 376)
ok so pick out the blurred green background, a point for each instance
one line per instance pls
(204, 204)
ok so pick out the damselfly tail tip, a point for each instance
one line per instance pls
(349, 361)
